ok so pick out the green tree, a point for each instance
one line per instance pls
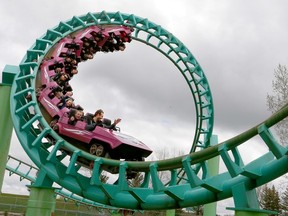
(278, 99)
(284, 201)
(269, 198)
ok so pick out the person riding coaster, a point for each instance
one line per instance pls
(105, 135)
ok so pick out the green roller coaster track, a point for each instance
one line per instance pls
(29, 172)
(195, 185)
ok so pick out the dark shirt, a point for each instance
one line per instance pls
(104, 124)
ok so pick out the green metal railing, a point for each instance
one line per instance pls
(26, 171)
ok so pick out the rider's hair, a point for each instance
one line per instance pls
(99, 111)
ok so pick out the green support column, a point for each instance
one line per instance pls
(246, 202)
(170, 212)
(6, 125)
(213, 167)
(42, 199)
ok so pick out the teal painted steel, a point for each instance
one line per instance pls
(193, 186)
(8, 74)
(213, 166)
(6, 128)
(29, 172)
(6, 125)
(44, 206)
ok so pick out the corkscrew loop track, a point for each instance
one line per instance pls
(189, 189)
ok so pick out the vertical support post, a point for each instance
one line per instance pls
(246, 202)
(42, 199)
(245, 198)
(170, 212)
(213, 167)
(6, 126)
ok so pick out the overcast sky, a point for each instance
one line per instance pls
(237, 43)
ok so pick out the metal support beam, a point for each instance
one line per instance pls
(213, 167)
(42, 199)
(6, 125)
(246, 202)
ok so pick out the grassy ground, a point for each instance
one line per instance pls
(18, 203)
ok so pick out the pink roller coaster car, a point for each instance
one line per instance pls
(104, 142)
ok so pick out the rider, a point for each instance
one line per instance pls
(97, 120)
(74, 116)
